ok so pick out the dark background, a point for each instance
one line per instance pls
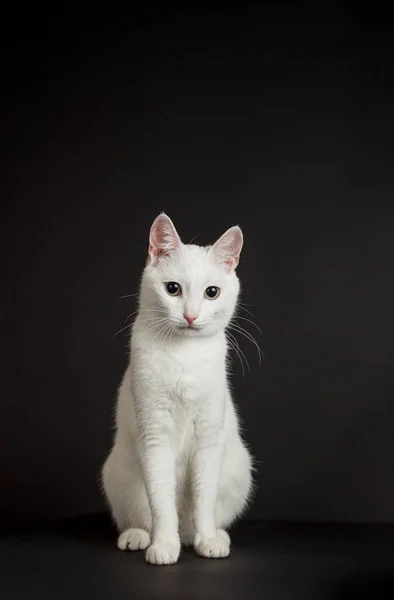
(275, 117)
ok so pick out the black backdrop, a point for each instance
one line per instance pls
(279, 119)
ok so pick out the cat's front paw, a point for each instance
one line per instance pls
(214, 547)
(134, 539)
(163, 553)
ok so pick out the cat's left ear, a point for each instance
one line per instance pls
(227, 249)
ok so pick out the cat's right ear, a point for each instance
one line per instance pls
(163, 238)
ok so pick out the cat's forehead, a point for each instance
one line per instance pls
(194, 253)
(192, 263)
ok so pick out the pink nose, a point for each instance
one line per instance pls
(190, 319)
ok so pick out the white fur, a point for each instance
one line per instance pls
(178, 470)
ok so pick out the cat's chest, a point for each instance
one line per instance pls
(191, 376)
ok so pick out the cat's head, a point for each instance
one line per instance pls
(191, 287)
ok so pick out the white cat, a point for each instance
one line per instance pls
(179, 471)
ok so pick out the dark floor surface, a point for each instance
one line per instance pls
(78, 559)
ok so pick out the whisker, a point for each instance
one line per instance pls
(244, 332)
(151, 310)
(128, 296)
(193, 238)
(248, 336)
(129, 325)
(120, 330)
(150, 319)
(234, 345)
(172, 332)
(169, 334)
(240, 305)
(230, 358)
(241, 351)
(164, 328)
(249, 321)
(145, 310)
(141, 310)
(131, 315)
(151, 327)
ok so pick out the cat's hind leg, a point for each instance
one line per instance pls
(235, 485)
(125, 492)
(235, 488)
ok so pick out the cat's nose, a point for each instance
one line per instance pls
(189, 318)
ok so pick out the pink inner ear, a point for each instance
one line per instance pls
(163, 238)
(228, 248)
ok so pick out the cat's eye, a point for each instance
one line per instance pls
(173, 288)
(212, 292)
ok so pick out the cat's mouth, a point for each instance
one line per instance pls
(189, 327)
